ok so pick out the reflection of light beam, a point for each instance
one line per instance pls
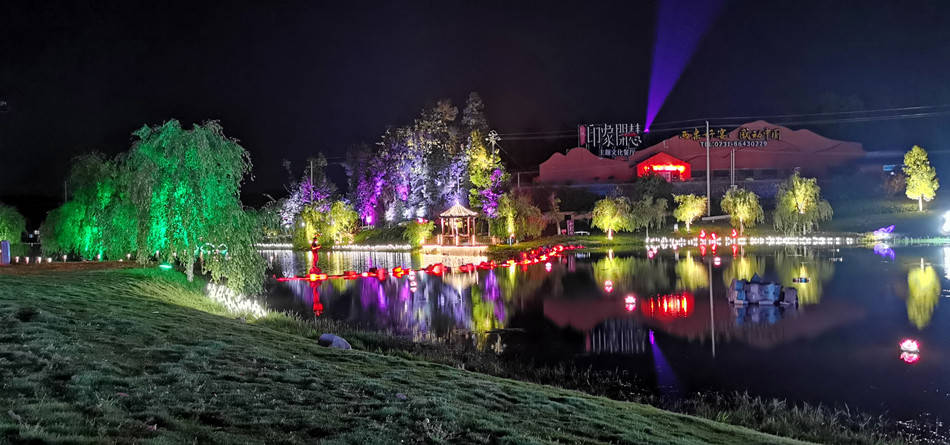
(666, 380)
(679, 28)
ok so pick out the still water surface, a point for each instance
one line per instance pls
(667, 319)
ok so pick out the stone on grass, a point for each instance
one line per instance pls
(333, 341)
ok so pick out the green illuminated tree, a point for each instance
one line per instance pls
(99, 221)
(688, 208)
(611, 214)
(646, 213)
(185, 185)
(343, 222)
(554, 211)
(743, 208)
(922, 183)
(518, 217)
(12, 224)
(799, 206)
(417, 233)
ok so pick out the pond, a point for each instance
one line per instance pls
(665, 317)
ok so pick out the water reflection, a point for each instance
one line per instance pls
(852, 300)
(923, 287)
(805, 270)
(691, 274)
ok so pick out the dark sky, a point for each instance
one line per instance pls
(292, 78)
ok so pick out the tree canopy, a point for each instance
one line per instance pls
(799, 206)
(743, 208)
(922, 183)
(688, 208)
(612, 213)
(518, 217)
(12, 224)
(185, 186)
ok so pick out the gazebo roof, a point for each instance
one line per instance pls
(458, 211)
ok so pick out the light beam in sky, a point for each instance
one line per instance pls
(680, 27)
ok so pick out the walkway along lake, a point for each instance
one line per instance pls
(654, 315)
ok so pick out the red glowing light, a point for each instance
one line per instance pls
(702, 233)
(609, 286)
(671, 306)
(630, 303)
(735, 250)
(735, 234)
(547, 267)
(910, 345)
(910, 357)
(702, 250)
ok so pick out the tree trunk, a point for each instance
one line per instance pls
(190, 268)
(920, 203)
(610, 233)
(741, 227)
(687, 226)
(558, 223)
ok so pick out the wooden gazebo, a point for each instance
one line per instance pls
(458, 217)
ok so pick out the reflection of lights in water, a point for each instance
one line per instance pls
(884, 251)
(910, 351)
(945, 228)
(630, 303)
(547, 267)
(910, 357)
(717, 261)
(671, 306)
(946, 262)
(666, 380)
(609, 286)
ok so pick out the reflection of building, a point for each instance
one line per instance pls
(762, 150)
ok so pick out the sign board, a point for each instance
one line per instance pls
(610, 140)
(744, 137)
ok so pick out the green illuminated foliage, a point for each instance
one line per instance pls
(647, 213)
(518, 217)
(98, 221)
(482, 162)
(335, 226)
(12, 224)
(922, 183)
(799, 206)
(688, 208)
(611, 214)
(743, 208)
(185, 186)
(416, 233)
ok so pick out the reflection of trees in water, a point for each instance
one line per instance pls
(807, 264)
(639, 275)
(691, 274)
(923, 286)
(743, 268)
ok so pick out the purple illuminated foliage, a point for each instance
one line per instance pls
(680, 26)
(492, 194)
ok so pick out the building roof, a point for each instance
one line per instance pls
(811, 152)
(458, 211)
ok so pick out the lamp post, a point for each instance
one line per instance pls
(708, 173)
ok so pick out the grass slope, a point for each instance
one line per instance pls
(142, 356)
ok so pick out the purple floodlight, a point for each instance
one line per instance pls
(680, 25)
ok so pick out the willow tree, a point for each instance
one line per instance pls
(743, 208)
(611, 214)
(799, 206)
(12, 224)
(186, 186)
(99, 220)
(688, 208)
(922, 183)
(646, 213)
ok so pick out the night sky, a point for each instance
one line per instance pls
(291, 79)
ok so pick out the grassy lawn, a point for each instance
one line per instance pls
(135, 355)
